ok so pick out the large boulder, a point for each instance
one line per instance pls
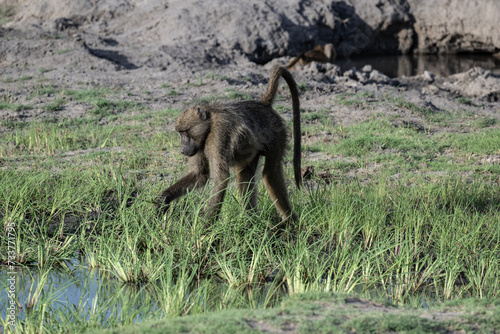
(221, 30)
(476, 82)
(456, 26)
(374, 27)
(156, 32)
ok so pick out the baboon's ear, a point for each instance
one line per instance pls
(202, 114)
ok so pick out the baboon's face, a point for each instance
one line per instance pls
(188, 146)
(193, 126)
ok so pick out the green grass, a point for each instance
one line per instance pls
(42, 90)
(213, 77)
(303, 86)
(56, 105)
(235, 95)
(406, 148)
(105, 107)
(352, 100)
(8, 80)
(282, 108)
(229, 94)
(7, 11)
(484, 142)
(89, 94)
(102, 105)
(14, 106)
(26, 78)
(324, 313)
(465, 100)
(21, 79)
(43, 70)
(401, 103)
(409, 217)
(485, 122)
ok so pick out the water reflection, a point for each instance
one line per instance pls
(89, 299)
(409, 65)
(79, 295)
(73, 285)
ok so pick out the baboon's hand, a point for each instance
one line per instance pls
(162, 204)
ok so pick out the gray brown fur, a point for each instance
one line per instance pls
(320, 54)
(217, 137)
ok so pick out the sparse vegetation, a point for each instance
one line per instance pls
(358, 99)
(282, 108)
(401, 103)
(236, 95)
(324, 313)
(465, 100)
(7, 11)
(302, 86)
(485, 122)
(42, 89)
(391, 233)
(399, 212)
(55, 105)
(43, 70)
(6, 104)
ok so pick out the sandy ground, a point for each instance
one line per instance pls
(64, 51)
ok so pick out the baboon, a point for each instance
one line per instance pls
(216, 137)
(321, 54)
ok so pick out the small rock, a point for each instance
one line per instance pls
(379, 77)
(430, 90)
(361, 76)
(428, 76)
(332, 69)
(313, 67)
(63, 23)
(307, 172)
(350, 73)
(367, 68)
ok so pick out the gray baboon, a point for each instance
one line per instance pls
(321, 54)
(217, 137)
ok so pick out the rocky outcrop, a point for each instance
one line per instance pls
(476, 82)
(456, 26)
(374, 27)
(222, 31)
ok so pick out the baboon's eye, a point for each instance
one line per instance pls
(202, 114)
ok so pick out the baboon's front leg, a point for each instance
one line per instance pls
(220, 180)
(187, 183)
(196, 177)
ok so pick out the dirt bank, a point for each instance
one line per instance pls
(146, 46)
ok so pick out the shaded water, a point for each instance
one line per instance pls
(74, 285)
(410, 65)
(81, 293)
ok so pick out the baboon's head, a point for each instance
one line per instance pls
(193, 125)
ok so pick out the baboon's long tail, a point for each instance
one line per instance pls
(268, 98)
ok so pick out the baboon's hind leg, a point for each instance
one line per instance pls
(246, 180)
(274, 179)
